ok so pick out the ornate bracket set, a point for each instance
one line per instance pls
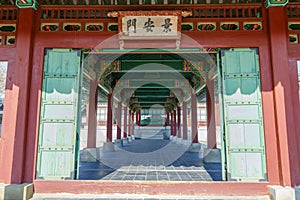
(34, 3)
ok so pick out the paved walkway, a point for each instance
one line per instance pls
(151, 160)
(160, 160)
(141, 197)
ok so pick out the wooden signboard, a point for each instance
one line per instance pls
(149, 25)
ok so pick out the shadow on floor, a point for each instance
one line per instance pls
(151, 160)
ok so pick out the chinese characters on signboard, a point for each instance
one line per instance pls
(145, 26)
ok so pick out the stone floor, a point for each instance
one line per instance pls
(142, 197)
(151, 160)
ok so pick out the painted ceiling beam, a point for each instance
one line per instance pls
(150, 51)
(151, 61)
(147, 96)
(152, 71)
(151, 87)
(152, 102)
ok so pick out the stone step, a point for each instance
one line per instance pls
(145, 135)
(141, 197)
(150, 133)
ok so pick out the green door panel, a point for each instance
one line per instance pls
(51, 134)
(62, 63)
(60, 88)
(242, 89)
(56, 163)
(243, 120)
(58, 132)
(241, 135)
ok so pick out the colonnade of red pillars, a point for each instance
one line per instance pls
(178, 126)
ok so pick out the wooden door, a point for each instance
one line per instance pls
(243, 120)
(58, 132)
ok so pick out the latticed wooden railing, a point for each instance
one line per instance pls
(143, 2)
(203, 18)
(136, 2)
(8, 17)
(8, 13)
(293, 13)
(7, 2)
(197, 12)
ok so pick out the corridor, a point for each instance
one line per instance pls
(151, 160)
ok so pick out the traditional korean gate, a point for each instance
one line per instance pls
(58, 132)
(243, 120)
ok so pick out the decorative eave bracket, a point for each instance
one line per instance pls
(271, 3)
(27, 4)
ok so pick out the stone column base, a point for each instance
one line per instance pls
(297, 192)
(179, 140)
(108, 147)
(119, 143)
(174, 138)
(16, 191)
(282, 193)
(129, 139)
(166, 135)
(124, 140)
(132, 137)
(195, 147)
(185, 142)
(90, 155)
(212, 155)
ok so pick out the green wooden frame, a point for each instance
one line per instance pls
(58, 143)
(252, 148)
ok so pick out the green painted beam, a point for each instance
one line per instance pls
(147, 94)
(151, 105)
(152, 87)
(152, 61)
(164, 74)
(151, 102)
(187, 50)
(141, 90)
(129, 69)
(153, 83)
(151, 80)
(148, 103)
(151, 95)
(158, 94)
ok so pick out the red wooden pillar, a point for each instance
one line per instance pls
(174, 123)
(125, 122)
(189, 117)
(137, 117)
(167, 118)
(194, 118)
(210, 110)
(129, 123)
(14, 135)
(184, 121)
(87, 113)
(286, 132)
(119, 120)
(179, 122)
(132, 123)
(92, 114)
(109, 118)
